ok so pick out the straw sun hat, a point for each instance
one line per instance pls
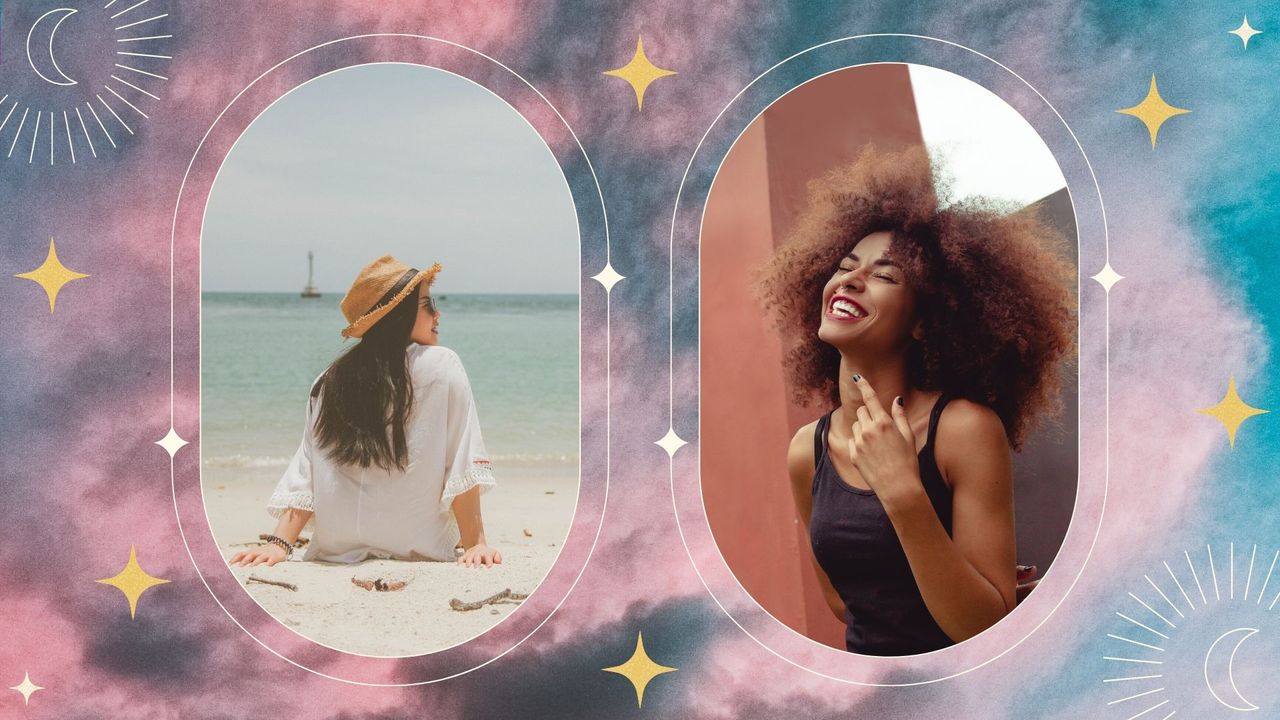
(379, 287)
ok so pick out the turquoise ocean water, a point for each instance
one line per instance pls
(261, 351)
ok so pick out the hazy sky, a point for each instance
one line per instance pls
(990, 149)
(390, 159)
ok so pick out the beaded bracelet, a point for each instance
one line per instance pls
(282, 544)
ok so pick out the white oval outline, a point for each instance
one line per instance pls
(608, 354)
(578, 228)
(702, 497)
(1107, 345)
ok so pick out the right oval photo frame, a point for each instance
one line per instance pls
(889, 263)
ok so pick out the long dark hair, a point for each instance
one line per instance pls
(368, 389)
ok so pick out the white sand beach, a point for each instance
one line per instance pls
(526, 518)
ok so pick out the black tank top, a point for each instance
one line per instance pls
(857, 547)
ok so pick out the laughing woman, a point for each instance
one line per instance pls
(391, 463)
(935, 333)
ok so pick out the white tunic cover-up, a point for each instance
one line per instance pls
(370, 512)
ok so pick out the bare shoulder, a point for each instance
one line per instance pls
(800, 458)
(970, 436)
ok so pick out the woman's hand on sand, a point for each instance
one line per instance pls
(268, 554)
(883, 448)
(480, 555)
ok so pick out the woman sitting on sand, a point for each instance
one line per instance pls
(391, 463)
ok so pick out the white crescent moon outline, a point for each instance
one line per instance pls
(66, 13)
(1248, 633)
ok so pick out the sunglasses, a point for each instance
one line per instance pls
(429, 303)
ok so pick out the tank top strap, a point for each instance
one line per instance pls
(820, 439)
(936, 413)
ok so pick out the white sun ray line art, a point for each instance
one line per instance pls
(100, 123)
(1153, 707)
(1132, 660)
(113, 2)
(1273, 601)
(1231, 583)
(1263, 591)
(1133, 677)
(83, 127)
(10, 114)
(1135, 642)
(22, 123)
(1153, 611)
(142, 72)
(1248, 582)
(113, 112)
(126, 102)
(1179, 584)
(1197, 577)
(131, 7)
(135, 87)
(1216, 594)
(1131, 697)
(66, 122)
(1166, 597)
(1144, 627)
(35, 136)
(53, 124)
(139, 22)
(143, 39)
(145, 55)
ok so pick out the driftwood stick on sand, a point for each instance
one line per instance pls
(505, 595)
(277, 583)
(379, 584)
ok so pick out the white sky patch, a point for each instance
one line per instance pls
(987, 146)
(390, 159)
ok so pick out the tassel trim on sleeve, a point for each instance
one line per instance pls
(300, 499)
(476, 475)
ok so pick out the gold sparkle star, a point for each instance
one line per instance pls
(639, 73)
(1232, 411)
(1244, 32)
(52, 275)
(27, 688)
(133, 581)
(1153, 111)
(639, 669)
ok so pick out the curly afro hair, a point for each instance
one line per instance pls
(992, 283)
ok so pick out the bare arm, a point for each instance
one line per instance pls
(800, 462)
(967, 580)
(476, 551)
(290, 525)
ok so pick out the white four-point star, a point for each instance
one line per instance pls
(27, 688)
(608, 277)
(671, 442)
(1244, 32)
(171, 442)
(1108, 277)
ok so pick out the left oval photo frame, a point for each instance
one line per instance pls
(390, 313)
(404, 471)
